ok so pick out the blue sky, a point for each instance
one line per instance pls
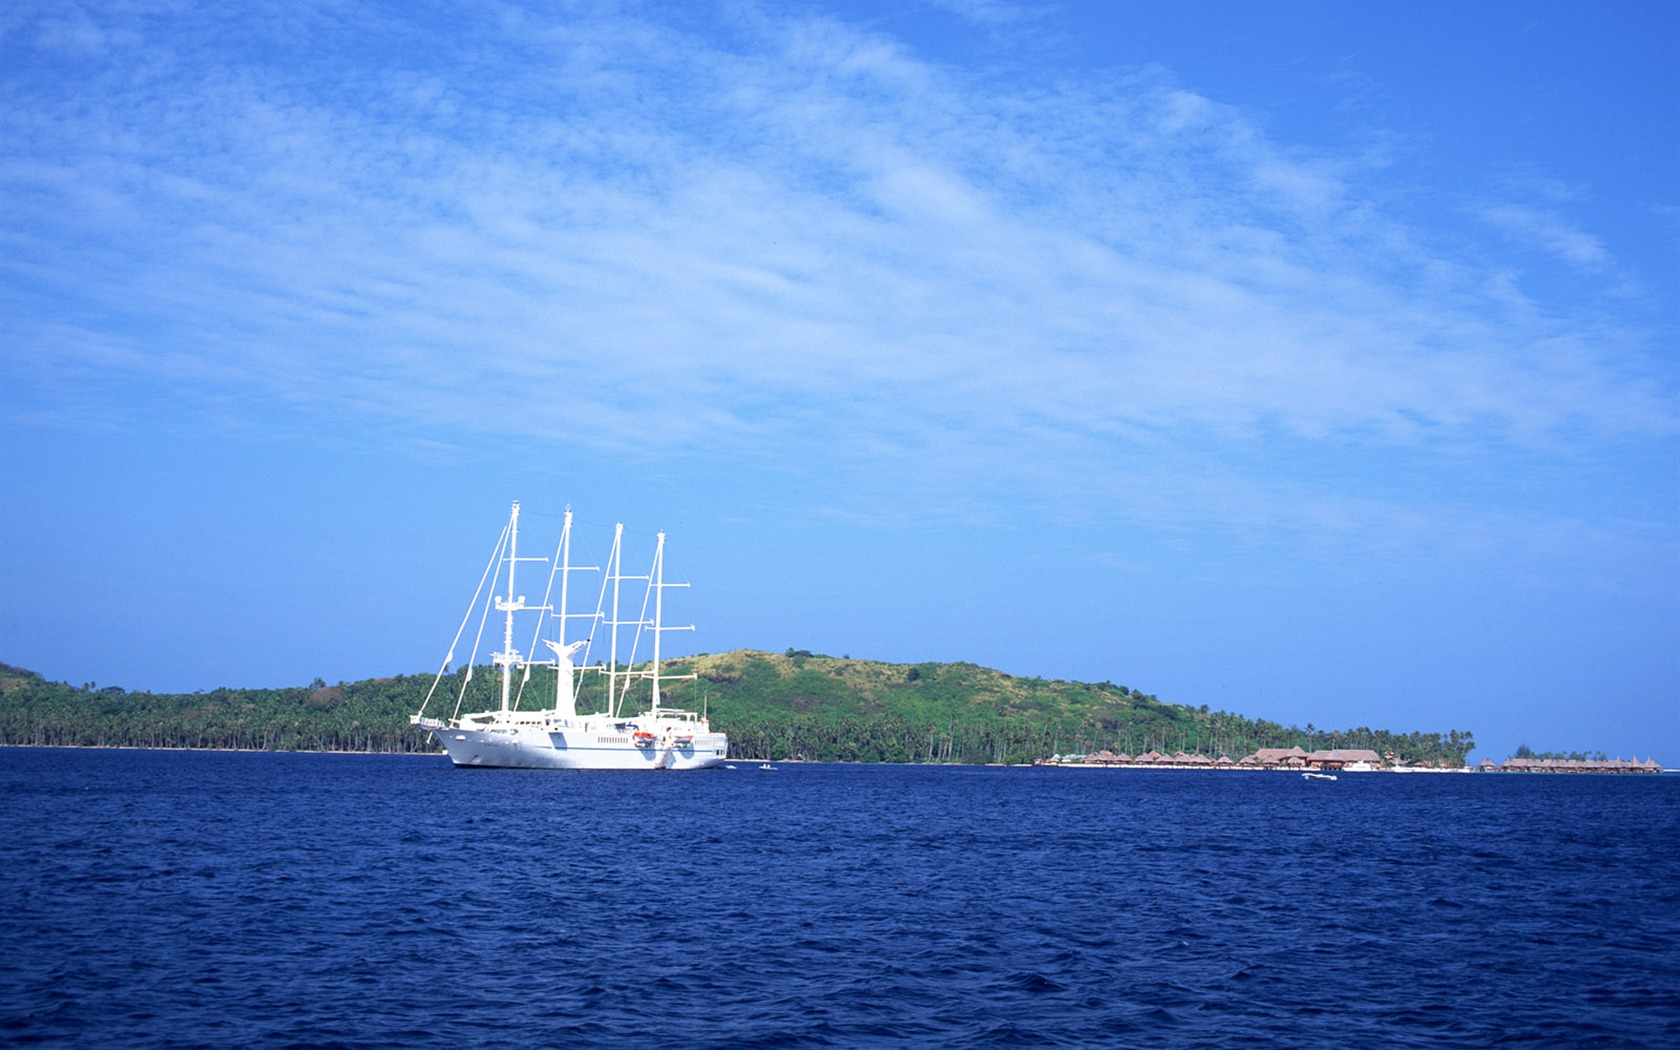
(1313, 361)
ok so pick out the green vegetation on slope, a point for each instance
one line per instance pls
(839, 709)
(771, 705)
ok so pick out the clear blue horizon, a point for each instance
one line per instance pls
(1313, 362)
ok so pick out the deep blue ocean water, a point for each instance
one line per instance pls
(184, 899)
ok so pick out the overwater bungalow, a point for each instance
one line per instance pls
(1573, 765)
(1276, 757)
(1349, 758)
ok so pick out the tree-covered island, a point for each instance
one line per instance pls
(772, 705)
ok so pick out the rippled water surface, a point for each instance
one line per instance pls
(176, 899)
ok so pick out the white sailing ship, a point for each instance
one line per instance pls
(515, 734)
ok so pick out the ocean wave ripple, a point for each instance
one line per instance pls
(185, 899)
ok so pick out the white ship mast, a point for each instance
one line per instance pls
(509, 657)
(657, 584)
(565, 670)
(618, 682)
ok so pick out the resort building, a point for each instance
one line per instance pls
(1277, 758)
(1349, 758)
(1570, 765)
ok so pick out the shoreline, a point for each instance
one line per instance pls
(1355, 772)
(227, 750)
(996, 765)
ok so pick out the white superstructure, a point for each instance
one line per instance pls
(558, 736)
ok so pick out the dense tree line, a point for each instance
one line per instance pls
(771, 705)
(358, 716)
(1524, 751)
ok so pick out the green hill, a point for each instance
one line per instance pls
(771, 705)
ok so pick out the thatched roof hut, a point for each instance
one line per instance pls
(1338, 758)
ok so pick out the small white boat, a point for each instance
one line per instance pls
(767, 766)
(1318, 776)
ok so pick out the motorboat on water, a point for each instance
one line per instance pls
(513, 733)
(1318, 776)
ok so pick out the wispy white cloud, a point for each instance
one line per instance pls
(997, 13)
(1549, 232)
(801, 242)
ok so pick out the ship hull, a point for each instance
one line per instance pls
(535, 747)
